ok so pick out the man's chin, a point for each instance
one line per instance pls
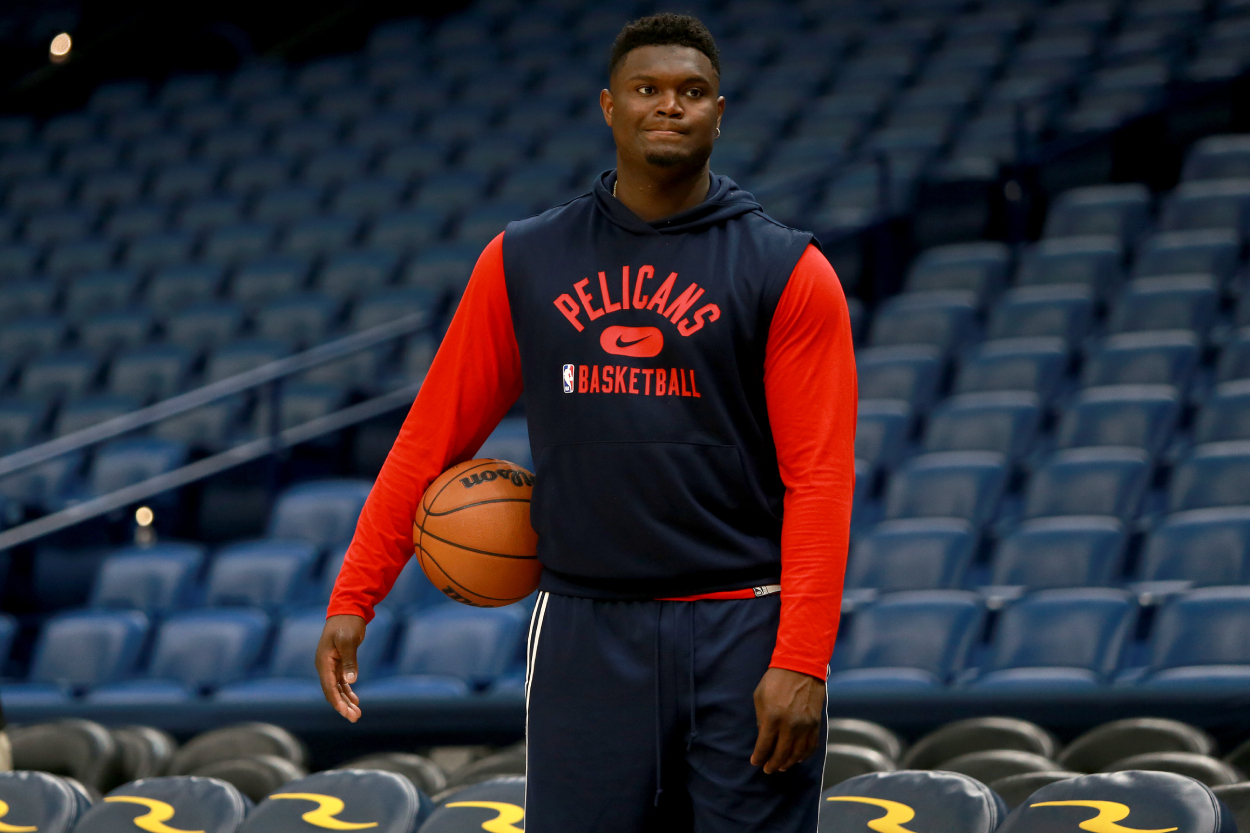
(676, 159)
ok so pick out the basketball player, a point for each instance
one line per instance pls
(689, 382)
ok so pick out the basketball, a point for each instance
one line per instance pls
(472, 533)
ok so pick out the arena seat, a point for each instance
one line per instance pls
(441, 268)
(1005, 422)
(1015, 789)
(1218, 157)
(937, 319)
(208, 213)
(1166, 357)
(424, 774)
(31, 337)
(994, 764)
(194, 650)
(881, 430)
(1208, 204)
(97, 292)
(112, 332)
(1154, 800)
(264, 279)
(127, 222)
(350, 274)
(942, 801)
(399, 231)
(238, 741)
(954, 484)
(290, 676)
(178, 287)
(386, 305)
(1089, 481)
(1121, 211)
(1172, 302)
(1061, 311)
(914, 554)
(1201, 546)
(241, 356)
(91, 410)
(237, 242)
(844, 761)
(144, 751)
(1064, 551)
(288, 204)
(38, 801)
(448, 649)
(255, 776)
(125, 462)
(849, 731)
(1015, 364)
(301, 321)
(153, 579)
(43, 485)
(907, 641)
(255, 173)
(204, 804)
(263, 574)
(20, 421)
(106, 189)
(1091, 260)
(1192, 645)
(340, 165)
(183, 180)
(1059, 640)
(465, 810)
(1203, 252)
(387, 802)
(318, 236)
(65, 374)
(72, 748)
(77, 650)
(1215, 474)
(1236, 797)
(152, 372)
(20, 299)
(1141, 416)
(978, 734)
(1107, 743)
(1204, 768)
(321, 512)
(411, 591)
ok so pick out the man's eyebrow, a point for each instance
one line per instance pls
(687, 80)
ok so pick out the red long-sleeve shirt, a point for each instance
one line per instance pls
(809, 381)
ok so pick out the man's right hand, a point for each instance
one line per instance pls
(336, 663)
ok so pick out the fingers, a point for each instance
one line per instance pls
(783, 743)
(330, 671)
(765, 744)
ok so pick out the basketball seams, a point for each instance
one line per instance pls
(424, 532)
(471, 593)
(484, 464)
(432, 514)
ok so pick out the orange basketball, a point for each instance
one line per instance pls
(473, 536)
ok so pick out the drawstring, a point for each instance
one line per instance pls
(694, 732)
(659, 735)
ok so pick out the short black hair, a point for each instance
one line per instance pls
(664, 29)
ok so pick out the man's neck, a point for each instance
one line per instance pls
(654, 198)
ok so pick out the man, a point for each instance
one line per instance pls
(689, 383)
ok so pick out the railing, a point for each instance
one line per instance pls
(276, 439)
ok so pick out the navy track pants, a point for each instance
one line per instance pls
(641, 717)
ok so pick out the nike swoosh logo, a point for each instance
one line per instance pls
(637, 342)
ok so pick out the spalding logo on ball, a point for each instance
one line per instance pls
(472, 533)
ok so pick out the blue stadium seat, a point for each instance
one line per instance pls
(1129, 415)
(77, 257)
(337, 166)
(183, 180)
(931, 796)
(1170, 798)
(1059, 640)
(266, 278)
(407, 230)
(194, 650)
(448, 649)
(913, 641)
(452, 189)
(45, 802)
(266, 573)
(42, 486)
(21, 299)
(1094, 261)
(321, 512)
(955, 484)
(124, 462)
(411, 591)
(1215, 474)
(384, 306)
(1070, 551)
(1166, 357)
(305, 136)
(288, 205)
(241, 241)
(348, 275)
(110, 188)
(1005, 422)
(147, 373)
(215, 805)
(136, 220)
(290, 676)
(18, 261)
(385, 132)
(20, 421)
(78, 650)
(299, 320)
(159, 249)
(35, 336)
(1063, 311)
(1202, 546)
(242, 355)
(1181, 302)
(257, 173)
(58, 376)
(179, 90)
(1196, 642)
(881, 432)
(1208, 204)
(1225, 415)
(99, 292)
(318, 235)
(231, 143)
(208, 427)
(175, 289)
(301, 402)
(939, 319)
(90, 157)
(202, 326)
(112, 331)
(159, 151)
(1234, 361)
(909, 374)
(155, 579)
(392, 802)
(1204, 252)
(92, 410)
(203, 116)
(408, 159)
(210, 212)
(70, 128)
(58, 226)
(1089, 481)
(916, 554)
(272, 111)
(442, 268)
(26, 160)
(1218, 157)
(37, 193)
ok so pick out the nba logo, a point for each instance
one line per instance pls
(568, 378)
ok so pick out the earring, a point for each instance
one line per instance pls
(718, 133)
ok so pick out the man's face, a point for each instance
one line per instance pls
(663, 106)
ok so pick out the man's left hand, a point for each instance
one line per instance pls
(788, 708)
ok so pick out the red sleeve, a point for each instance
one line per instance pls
(809, 381)
(474, 379)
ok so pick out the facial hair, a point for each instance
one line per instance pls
(693, 159)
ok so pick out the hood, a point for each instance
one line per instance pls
(724, 201)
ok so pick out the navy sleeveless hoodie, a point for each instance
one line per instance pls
(642, 355)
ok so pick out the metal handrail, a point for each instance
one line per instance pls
(124, 424)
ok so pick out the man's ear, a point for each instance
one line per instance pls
(605, 104)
